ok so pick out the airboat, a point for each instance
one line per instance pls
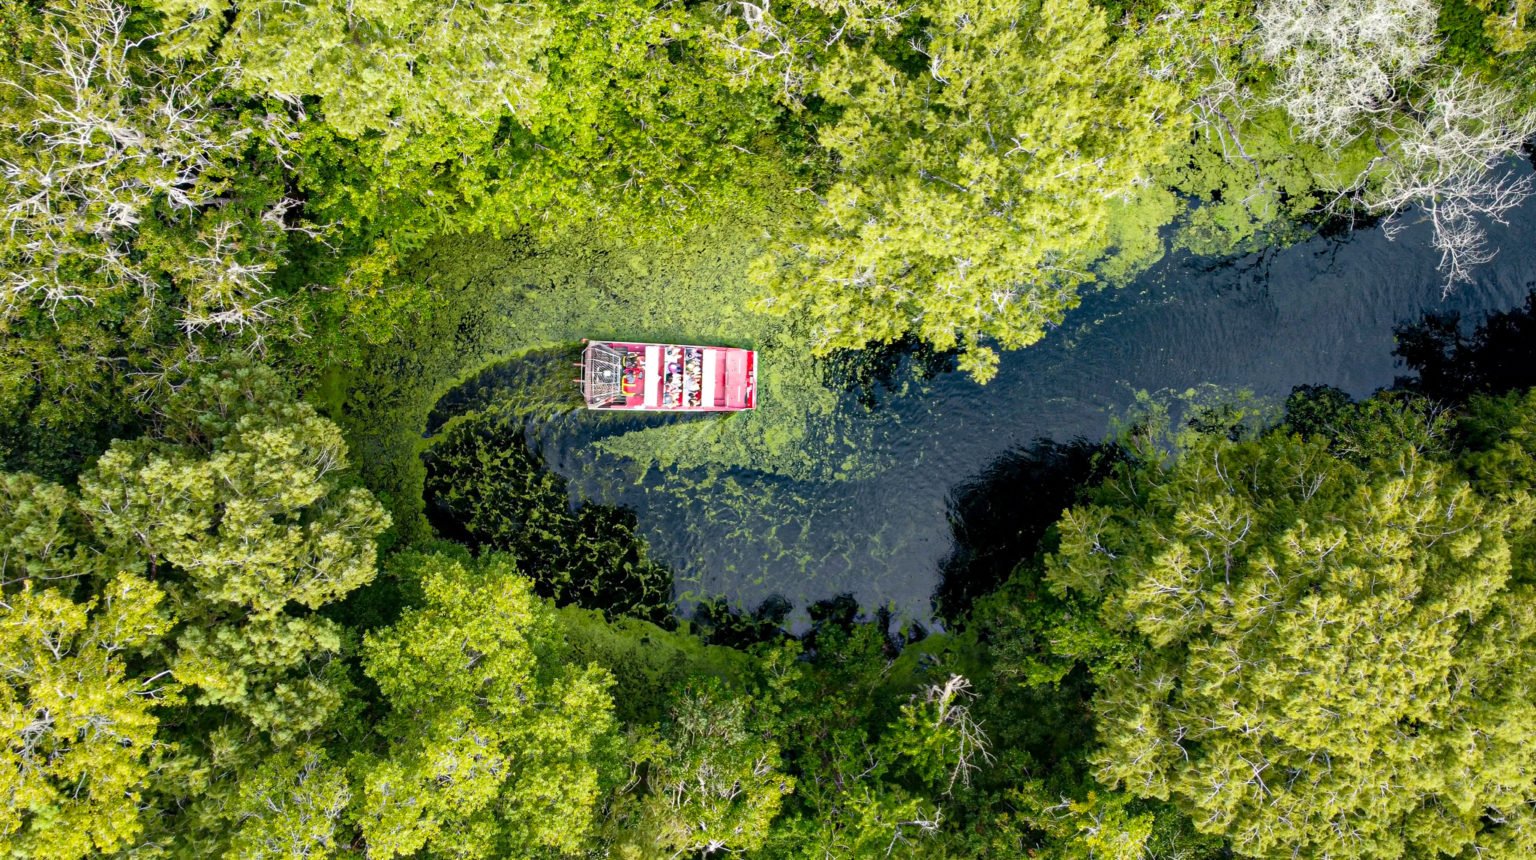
(661, 377)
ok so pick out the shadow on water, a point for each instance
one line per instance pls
(1451, 364)
(721, 624)
(724, 624)
(880, 369)
(1000, 517)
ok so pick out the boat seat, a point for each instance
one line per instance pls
(652, 377)
(736, 378)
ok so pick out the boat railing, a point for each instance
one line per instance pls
(602, 374)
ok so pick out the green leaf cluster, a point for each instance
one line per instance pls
(1331, 641)
(494, 744)
(168, 608)
(976, 175)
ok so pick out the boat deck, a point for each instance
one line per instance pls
(668, 377)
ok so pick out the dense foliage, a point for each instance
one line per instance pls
(973, 195)
(1331, 638)
(286, 289)
(1236, 639)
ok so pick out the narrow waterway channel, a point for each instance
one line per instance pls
(1322, 312)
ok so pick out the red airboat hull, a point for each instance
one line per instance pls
(661, 377)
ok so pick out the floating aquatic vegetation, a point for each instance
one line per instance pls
(499, 299)
(486, 486)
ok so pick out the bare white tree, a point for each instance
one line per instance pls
(922, 824)
(1341, 60)
(229, 290)
(1445, 161)
(968, 745)
(104, 138)
(1353, 68)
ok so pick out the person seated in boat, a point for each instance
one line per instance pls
(634, 382)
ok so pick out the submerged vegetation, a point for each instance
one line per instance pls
(288, 291)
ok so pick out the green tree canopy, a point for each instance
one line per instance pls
(235, 503)
(143, 216)
(391, 67)
(79, 728)
(713, 780)
(191, 558)
(636, 127)
(288, 807)
(976, 178)
(882, 752)
(1333, 647)
(496, 747)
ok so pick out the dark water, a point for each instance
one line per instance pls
(1322, 312)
